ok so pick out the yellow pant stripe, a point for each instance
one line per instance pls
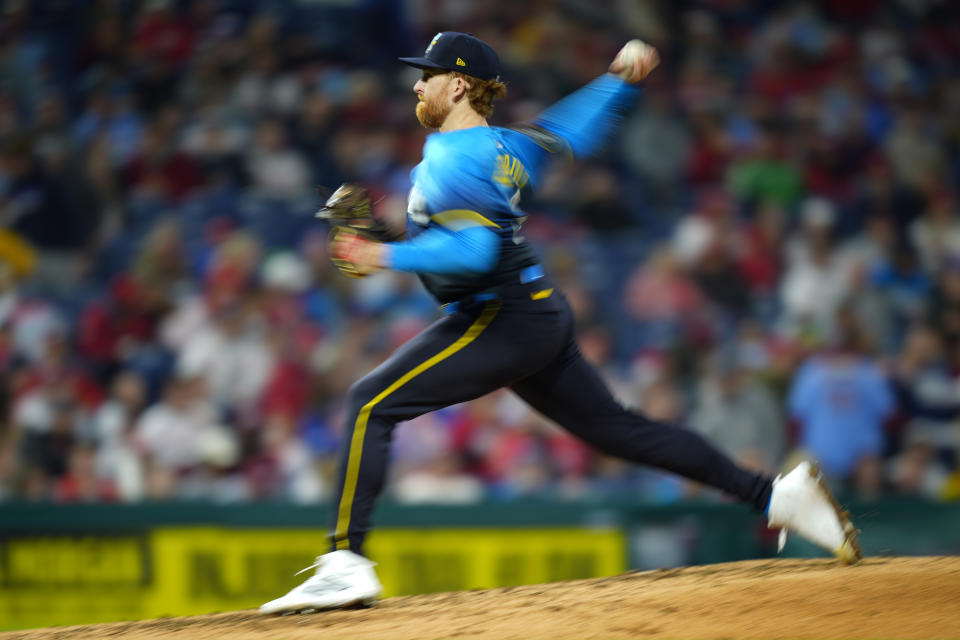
(360, 428)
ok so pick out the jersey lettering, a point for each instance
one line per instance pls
(510, 172)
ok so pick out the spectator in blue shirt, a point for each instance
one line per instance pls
(841, 401)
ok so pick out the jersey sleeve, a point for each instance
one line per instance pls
(585, 118)
(472, 249)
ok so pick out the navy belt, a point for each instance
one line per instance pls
(528, 275)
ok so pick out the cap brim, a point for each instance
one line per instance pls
(421, 63)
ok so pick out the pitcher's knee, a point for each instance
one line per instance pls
(364, 396)
(361, 391)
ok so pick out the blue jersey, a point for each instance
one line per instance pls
(468, 191)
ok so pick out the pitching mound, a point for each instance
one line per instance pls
(880, 598)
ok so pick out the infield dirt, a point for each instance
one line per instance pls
(879, 598)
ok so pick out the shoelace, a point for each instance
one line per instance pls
(313, 566)
(319, 563)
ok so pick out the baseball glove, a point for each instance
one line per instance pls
(349, 212)
(345, 247)
(349, 206)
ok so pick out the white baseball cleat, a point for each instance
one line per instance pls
(342, 579)
(802, 503)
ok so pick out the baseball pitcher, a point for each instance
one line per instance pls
(506, 324)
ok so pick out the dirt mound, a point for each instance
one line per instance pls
(881, 597)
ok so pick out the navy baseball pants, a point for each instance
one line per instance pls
(524, 339)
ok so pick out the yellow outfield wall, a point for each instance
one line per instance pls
(172, 571)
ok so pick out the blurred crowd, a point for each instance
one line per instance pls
(767, 252)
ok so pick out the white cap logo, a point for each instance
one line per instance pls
(432, 42)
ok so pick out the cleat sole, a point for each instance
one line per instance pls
(361, 603)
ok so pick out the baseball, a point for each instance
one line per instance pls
(635, 61)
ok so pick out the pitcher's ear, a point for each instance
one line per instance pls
(461, 88)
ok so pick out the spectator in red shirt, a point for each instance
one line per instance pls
(158, 169)
(113, 328)
(81, 482)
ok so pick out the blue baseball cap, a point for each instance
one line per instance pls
(455, 51)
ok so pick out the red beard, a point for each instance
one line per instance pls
(432, 114)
